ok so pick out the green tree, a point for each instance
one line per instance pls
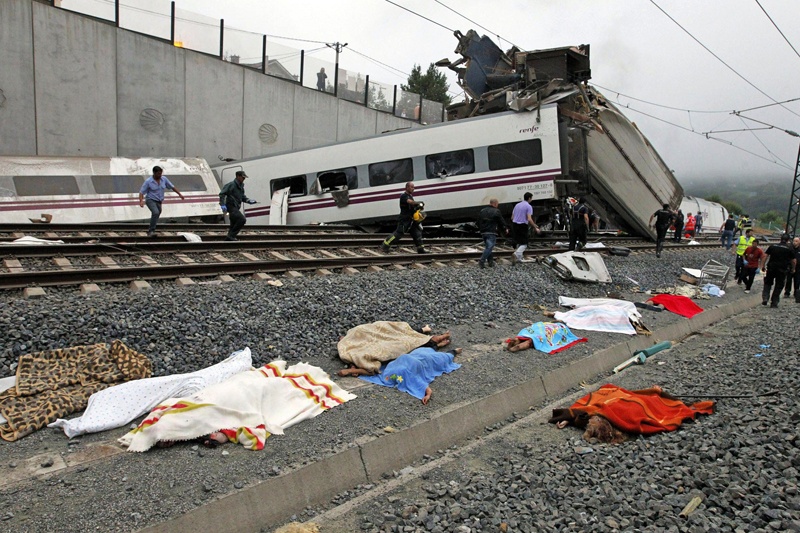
(771, 218)
(733, 207)
(432, 85)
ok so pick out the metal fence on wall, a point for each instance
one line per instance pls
(315, 68)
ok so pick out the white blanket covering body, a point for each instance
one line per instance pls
(119, 405)
(607, 318)
(629, 307)
(252, 405)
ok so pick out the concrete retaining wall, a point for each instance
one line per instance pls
(71, 85)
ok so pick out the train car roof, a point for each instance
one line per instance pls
(548, 103)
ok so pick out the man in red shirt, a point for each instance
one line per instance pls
(752, 258)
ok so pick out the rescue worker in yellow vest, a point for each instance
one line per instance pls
(743, 225)
(743, 243)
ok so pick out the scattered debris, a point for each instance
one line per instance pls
(579, 266)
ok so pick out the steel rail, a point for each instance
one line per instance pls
(165, 226)
(75, 276)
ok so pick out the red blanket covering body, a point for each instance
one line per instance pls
(680, 305)
(640, 412)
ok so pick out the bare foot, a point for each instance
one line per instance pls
(441, 338)
(443, 343)
(352, 372)
(524, 345)
(426, 329)
(218, 436)
(427, 397)
(511, 343)
(457, 351)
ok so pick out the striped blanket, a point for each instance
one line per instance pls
(247, 407)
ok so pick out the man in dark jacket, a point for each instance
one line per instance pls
(794, 277)
(663, 218)
(406, 222)
(678, 223)
(490, 223)
(579, 225)
(231, 198)
(779, 261)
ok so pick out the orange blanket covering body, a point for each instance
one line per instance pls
(643, 412)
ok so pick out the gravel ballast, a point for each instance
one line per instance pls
(184, 329)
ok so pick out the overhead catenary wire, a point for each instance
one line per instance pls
(706, 135)
(476, 23)
(707, 49)
(419, 15)
(777, 28)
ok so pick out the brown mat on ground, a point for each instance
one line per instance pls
(55, 383)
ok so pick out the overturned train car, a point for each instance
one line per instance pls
(67, 190)
(604, 156)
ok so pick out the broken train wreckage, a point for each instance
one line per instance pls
(604, 156)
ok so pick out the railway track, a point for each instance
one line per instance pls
(105, 256)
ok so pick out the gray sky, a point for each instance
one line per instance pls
(636, 50)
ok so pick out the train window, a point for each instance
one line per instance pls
(296, 184)
(449, 164)
(46, 185)
(187, 182)
(388, 172)
(525, 153)
(117, 184)
(338, 180)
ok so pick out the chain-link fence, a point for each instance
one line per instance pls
(314, 68)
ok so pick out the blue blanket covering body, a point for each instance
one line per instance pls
(550, 337)
(413, 372)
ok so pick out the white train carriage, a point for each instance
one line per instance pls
(714, 214)
(100, 189)
(456, 167)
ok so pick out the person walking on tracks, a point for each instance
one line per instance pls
(726, 229)
(231, 198)
(521, 218)
(742, 244)
(794, 277)
(409, 221)
(698, 223)
(152, 195)
(779, 260)
(663, 220)
(490, 224)
(579, 225)
(752, 260)
(678, 223)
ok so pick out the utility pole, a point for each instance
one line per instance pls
(794, 202)
(338, 47)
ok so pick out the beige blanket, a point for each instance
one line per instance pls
(368, 345)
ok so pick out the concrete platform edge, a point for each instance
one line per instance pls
(273, 501)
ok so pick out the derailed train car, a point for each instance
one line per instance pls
(532, 123)
(605, 157)
(100, 189)
(714, 214)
